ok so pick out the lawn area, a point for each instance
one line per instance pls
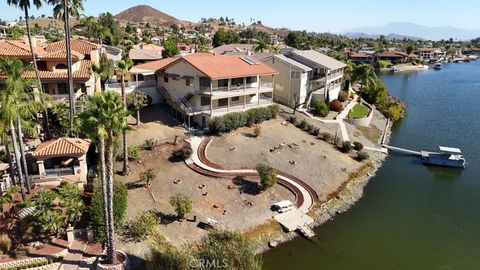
(358, 111)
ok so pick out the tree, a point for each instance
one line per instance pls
(148, 176)
(104, 118)
(365, 74)
(25, 6)
(223, 37)
(7, 197)
(51, 221)
(43, 201)
(320, 108)
(268, 175)
(17, 105)
(261, 45)
(183, 205)
(123, 68)
(63, 9)
(170, 47)
(135, 102)
(102, 71)
(71, 196)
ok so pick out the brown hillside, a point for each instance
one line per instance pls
(144, 13)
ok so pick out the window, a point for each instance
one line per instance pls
(204, 81)
(237, 81)
(165, 78)
(295, 75)
(204, 101)
(45, 88)
(223, 83)
(235, 98)
(61, 66)
(62, 89)
(251, 79)
(223, 102)
(188, 82)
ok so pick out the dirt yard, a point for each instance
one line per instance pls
(237, 203)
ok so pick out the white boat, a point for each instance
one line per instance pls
(438, 66)
(473, 57)
(448, 156)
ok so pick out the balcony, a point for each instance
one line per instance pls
(226, 91)
(129, 86)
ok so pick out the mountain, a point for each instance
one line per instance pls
(144, 13)
(391, 36)
(415, 30)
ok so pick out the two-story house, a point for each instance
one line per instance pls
(306, 76)
(52, 65)
(204, 85)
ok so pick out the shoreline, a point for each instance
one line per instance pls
(339, 201)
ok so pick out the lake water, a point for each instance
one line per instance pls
(412, 216)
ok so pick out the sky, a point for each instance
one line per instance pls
(312, 15)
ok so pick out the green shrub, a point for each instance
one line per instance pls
(343, 96)
(120, 203)
(336, 105)
(362, 155)
(395, 110)
(268, 175)
(346, 147)
(148, 176)
(309, 127)
(326, 136)
(3, 156)
(150, 144)
(316, 131)
(144, 225)
(234, 120)
(320, 108)
(357, 146)
(133, 152)
(273, 111)
(5, 244)
(183, 205)
(216, 126)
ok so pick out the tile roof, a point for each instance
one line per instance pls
(79, 45)
(233, 48)
(62, 147)
(361, 55)
(318, 58)
(145, 54)
(81, 74)
(152, 66)
(223, 66)
(17, 48)
(62, 54)
(392, 54)
(293, 62)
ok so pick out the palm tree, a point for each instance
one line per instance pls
(105, 117)
(63, 9)
(16, 105)
(25, 6)
(261, 45)
(51, 221)
(365, 74)
(103, 71)
(124, 67)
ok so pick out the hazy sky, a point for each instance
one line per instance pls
(312, 15)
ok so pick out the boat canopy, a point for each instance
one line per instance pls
(450, 150)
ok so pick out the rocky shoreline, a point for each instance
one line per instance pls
(340, 201)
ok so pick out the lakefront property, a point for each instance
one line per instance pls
(142, 141)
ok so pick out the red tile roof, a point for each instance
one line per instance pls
(392, 54)
(81, 46)
(81, 74)
(153, 66)
(360, 55)
(223, 66)
(62, 147)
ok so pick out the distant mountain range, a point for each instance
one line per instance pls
(391, 36)
(414, 31)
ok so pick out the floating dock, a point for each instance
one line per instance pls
(296, 220)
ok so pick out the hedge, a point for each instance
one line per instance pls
(234, 120)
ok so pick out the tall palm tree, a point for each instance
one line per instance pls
(105, 117)
(103, 70)
(25, 6)
(16, 104)
(365, 74)
(261, 45)
(63, 9)
(123, 68)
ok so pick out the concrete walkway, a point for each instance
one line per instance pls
(195, 142)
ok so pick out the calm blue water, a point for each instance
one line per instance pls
(412, 216)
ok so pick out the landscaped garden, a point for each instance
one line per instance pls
(358, 111)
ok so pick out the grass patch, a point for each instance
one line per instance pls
(358, 111)
(372, 133)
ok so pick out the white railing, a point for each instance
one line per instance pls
(235, 88)
(129, 86)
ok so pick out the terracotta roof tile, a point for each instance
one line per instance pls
(223, 66)
(62, 54)
(62, 147)
(152, 66)
(81, 46)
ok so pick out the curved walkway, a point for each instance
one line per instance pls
(305, 196)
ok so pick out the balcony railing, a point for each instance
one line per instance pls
(129, 86)
(235, 88)
(60, 171)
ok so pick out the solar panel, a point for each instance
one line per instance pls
(249, 61)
